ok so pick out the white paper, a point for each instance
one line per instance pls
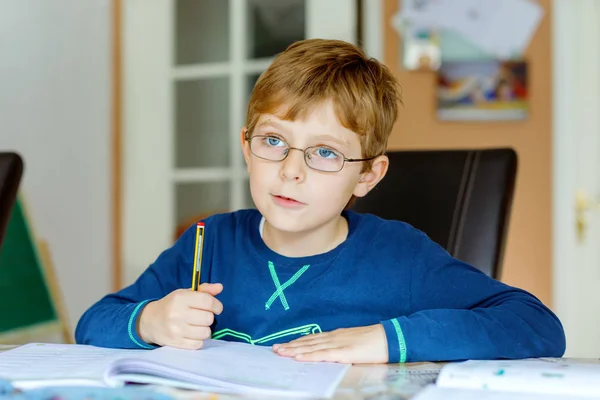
(252, 366)
(524, 376)
(502, 29)
(438, 393)
(219, 366)
(38, 364)
(431, 13)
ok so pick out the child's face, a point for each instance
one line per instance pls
(292, 196)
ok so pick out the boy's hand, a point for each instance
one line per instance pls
(366, 344)
(182, 318)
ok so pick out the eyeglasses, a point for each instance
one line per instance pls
(320, 158)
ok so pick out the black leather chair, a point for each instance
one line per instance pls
(11, 170)
(460, 198)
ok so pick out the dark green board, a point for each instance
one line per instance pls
(24, 295)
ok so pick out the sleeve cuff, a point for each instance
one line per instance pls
(395, 341)
(132, 327)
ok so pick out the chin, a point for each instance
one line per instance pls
(299, 223)
(287, 223)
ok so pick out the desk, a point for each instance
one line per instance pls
(369, 382)
(372, 382)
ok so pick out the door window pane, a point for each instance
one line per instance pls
(196, 201)
(250, 82)
(201, 31)
(273, 25)
(202, 123)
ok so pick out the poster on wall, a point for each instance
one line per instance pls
(482, 90)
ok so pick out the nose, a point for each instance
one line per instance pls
(293, 167)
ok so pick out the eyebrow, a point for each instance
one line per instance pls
(269, 123)
(340, 141)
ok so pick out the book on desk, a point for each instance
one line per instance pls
(530, 379)
(221, 367)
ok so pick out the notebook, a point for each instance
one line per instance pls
(220, 366)
(551, 378)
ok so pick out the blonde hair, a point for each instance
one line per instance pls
(364, 92)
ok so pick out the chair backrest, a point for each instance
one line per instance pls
(11, 170)
(460, 198)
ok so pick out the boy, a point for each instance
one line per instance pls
(303, 274)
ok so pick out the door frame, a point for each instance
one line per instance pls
(564, 152)
(568, 99)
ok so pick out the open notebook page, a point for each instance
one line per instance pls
(232, 367)
(40, 364)
(245, 367)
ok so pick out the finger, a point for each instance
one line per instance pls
(278, 346)
(197, 333)
(305, 340)
(309, 341)
(339, 355)
(188, 344)
(294, 351)
(199, 317)
(310, 338)
(212, 288)
(205, 301)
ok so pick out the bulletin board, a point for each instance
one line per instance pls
(527, 260)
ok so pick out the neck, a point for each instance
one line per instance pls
(308, 243)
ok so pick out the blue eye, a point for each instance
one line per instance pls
(273, 141)
(324, 152)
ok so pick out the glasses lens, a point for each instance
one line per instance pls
(324, 159)
(268, 147)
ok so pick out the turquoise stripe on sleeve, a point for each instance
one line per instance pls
(132, 319)
(401, 342)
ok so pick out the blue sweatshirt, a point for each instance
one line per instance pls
(432, 306)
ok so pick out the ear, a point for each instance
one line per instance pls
(369, 179)
(245, 145)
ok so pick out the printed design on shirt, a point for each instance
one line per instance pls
(301, 330)
(279, 288)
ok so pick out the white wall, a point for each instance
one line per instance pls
(55, 111)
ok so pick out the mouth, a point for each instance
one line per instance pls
(286, 200)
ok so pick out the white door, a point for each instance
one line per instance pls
(189, 67)
(576, 41)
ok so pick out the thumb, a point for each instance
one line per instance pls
(212, 288)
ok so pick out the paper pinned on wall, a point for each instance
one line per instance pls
(502, 29)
